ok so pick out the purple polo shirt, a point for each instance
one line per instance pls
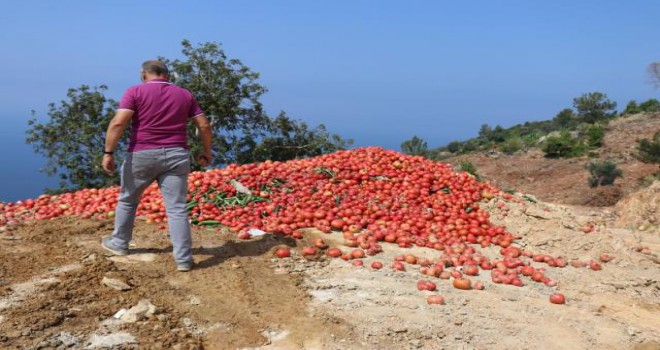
(162, 111)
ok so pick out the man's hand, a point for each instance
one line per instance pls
(204, 128)
(108, 164)
(115, 129)
(205, 159)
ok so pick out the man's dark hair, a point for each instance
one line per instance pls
(155, 67)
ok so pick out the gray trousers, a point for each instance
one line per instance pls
(170, 167)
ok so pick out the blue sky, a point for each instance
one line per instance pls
(378, 72)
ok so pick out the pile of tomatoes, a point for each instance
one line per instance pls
(374, 196)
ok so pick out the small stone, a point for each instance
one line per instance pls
(143, 309)
(194, 300)
(134, 258)
(90, 258)
(163, 317)
(115, 284)
(67, 339)
(187, 322)
(113, 340)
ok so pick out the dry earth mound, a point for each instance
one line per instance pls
(641, 209)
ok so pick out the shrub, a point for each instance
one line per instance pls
(595, 135)
(454, 146)
(603, 173)
(415, 147)
(563, 146)
(648, 180)
(650, 106)
(631, 108)
(648, 151)
(511, 145)
(469, 146)
(530, 140)
(564, 118)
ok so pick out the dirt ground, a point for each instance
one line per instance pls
(565, 180)
(240, 297)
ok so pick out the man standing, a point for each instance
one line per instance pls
(159, 112)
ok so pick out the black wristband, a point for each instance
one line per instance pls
(110, 153)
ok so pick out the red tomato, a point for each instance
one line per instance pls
(283, 253)
(462, 283)
(557, 298)
(334, 252)
(376, 265)
(435, 300)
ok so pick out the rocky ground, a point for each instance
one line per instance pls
(60, 290)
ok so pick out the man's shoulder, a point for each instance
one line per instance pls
(132, 89)
(183, 90)
(179, 87)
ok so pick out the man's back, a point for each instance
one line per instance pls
(162, 111)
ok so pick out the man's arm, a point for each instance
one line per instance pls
(204, 128)
(112, 137)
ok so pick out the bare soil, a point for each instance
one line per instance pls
(240, 297)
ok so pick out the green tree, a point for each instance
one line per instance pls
(511, 145)
(484, 131)
(564, 118)
(632, 108)
(498, 135)
(454, 146)
(603, 173)
(648, 151)
(469, 146)
(415, 146)
(562, 146)
(289, 139)
(594, 106)
(595, 136)
(650, 106)
(72, 138)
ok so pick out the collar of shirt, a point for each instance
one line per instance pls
(158, 81)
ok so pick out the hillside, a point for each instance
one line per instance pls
(428, 227)
(565, 180)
